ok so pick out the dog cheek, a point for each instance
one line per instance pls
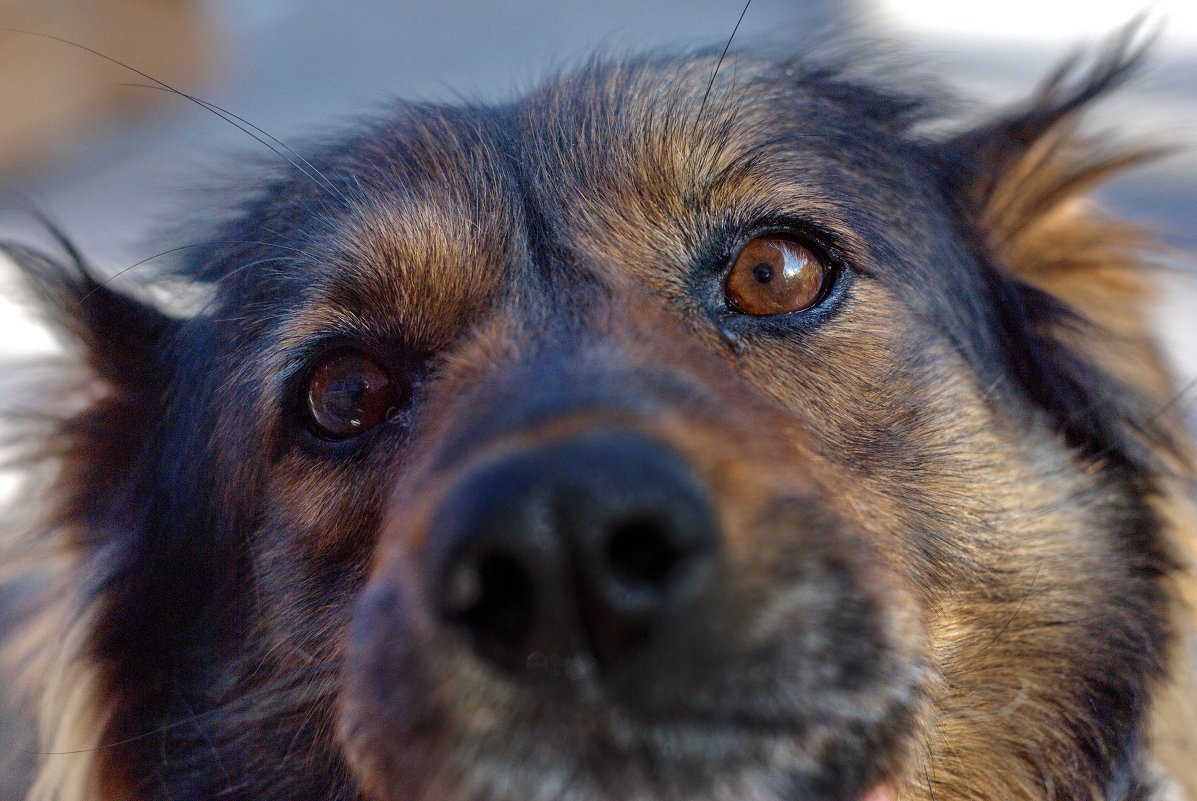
(809, 549)
(387, 719)
(839, 608)
(395, 722)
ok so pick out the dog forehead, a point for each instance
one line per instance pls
(639, 162)
(426, 231)
(618, 167)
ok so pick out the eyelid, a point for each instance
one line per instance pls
(820, 239)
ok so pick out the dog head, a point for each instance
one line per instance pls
(668, 433)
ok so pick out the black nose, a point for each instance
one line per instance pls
(593, 545)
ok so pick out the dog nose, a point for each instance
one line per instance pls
(592, 545)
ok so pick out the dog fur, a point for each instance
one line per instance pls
(954, 529)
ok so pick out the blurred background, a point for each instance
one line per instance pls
(112, 163)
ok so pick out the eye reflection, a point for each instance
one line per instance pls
(348, 394)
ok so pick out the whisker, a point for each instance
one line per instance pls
(248, 701)
(1001, 632)
(128, 740)
(169, 251)
(719, 63)
(193, 717)
(279, 148)
(930, 784)
(1175, 402)
(234, 119)
(253, 263)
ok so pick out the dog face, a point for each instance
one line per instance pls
(665, 434)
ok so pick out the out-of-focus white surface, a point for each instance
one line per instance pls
(1177, 328)
(20, 339)
(1044, 21)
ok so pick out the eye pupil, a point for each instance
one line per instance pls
(763, 273)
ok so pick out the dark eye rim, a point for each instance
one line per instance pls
(835, 288)
(830, 268)
(405, 367)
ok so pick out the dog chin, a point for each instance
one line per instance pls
(566, 785)
(689, 763)
(422, 719)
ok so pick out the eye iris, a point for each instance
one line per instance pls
(348, 394)
(772, 275)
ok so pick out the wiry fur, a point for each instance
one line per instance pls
(985, 415)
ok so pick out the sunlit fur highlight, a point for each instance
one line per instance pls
(1021, 553)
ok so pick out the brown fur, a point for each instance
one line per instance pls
(973, 576)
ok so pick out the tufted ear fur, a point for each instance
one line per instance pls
(91, 422)
(1076, 291)
(117, 334)
(117, 343)
(1073, 285)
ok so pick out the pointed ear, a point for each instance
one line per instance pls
(118, 337)
(1074, 284)
(985, 157)
(92, 416)
(90, 421)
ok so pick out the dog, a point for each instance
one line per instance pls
(677, 431)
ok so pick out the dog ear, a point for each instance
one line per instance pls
(1070, 283)
(90, 424)
(118, 337)
(989, 154)
(94, 420)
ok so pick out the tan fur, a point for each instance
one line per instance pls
(986, 541)
(70, 710)
(1054, 238)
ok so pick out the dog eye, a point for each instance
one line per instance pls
(348, 394)
(772, 275)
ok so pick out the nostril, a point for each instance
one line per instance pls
(493, 596)
(640, 552)
(593, 545)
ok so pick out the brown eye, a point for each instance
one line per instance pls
(348, 394)
(776, 276)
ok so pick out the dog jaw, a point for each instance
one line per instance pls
(940, 573)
